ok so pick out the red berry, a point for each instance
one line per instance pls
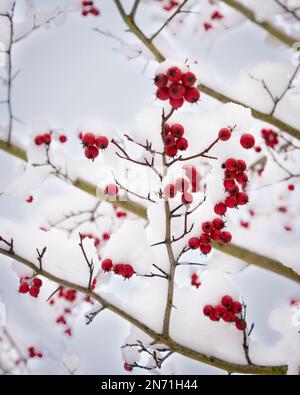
(85, 13)
(225, 237)
(220, 311)
(242, 198)
(24, 288)
(102, 142)
(192, 95)
(291, 187)
(241, 165)
(237, 307)
(187, 198)
(205, 249)
(224, 134)
(176, 91)
(107, 265)
(229, 185)
(241, 178)
(47, 138)
(128, 367)
(39, 140)
(91, 152)
(34, 291)
(106, 236)
(227, 301)
(205, 239)
(162, 93)
(229, 317)
(231, 202)
(207, 227)
(169, 140)
(160, 80)
(220, 208)
(170, 191)
(218, 223)
(29, 199)
(88, 139)
(63, 139)
(188, 79)
(95, 11)
(241, 325)
(171, 151)
(111, 190)
(128, 271)
(194, 243)
(247, 141)
(174, 74)
(176, 103)
(231, 164)
(207, 26)
(87, 3)
(118, 268)
(167, 128)
(38, 282)
(215, 235)
(182, 144)
(177, 130)
(208, 310)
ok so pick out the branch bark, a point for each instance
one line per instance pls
(174, 346)
(271, 29)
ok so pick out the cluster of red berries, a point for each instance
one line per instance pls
(89, 8)
(235, 176)
(93, 144)
(41, 139)
(270, 137)
(182, 186)
(33, 353)
(174, 140)
(121, 269)
(176, 87)
(195, 282)
(31, 286)
(228, 310)
(46, 138)
(211, 231)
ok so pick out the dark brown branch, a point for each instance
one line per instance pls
(89, 263)
(41, 256)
